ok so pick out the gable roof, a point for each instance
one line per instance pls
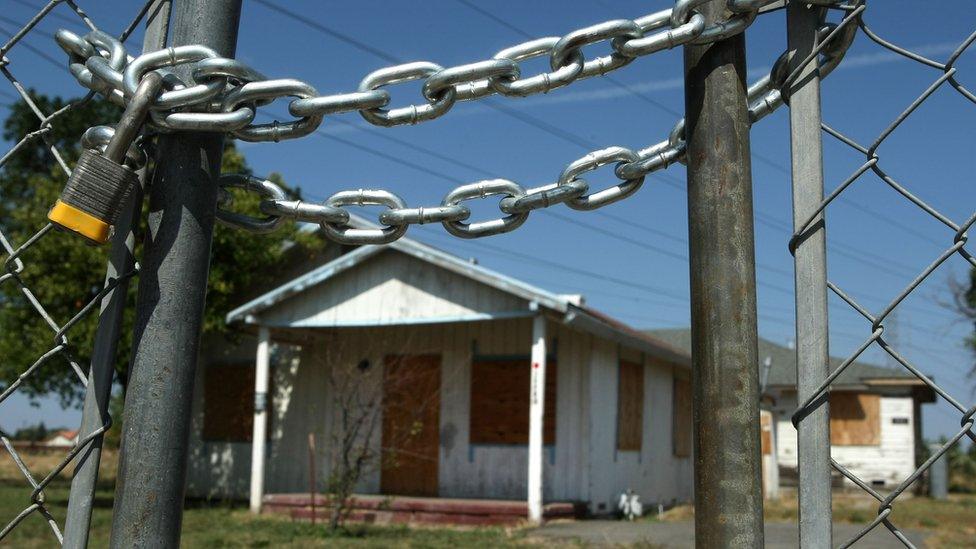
(782, 371)
(567, 309)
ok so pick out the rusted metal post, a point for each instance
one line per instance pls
(728, 485)
(312, 481)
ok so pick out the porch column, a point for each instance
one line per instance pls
(260, 437)
(537, 396)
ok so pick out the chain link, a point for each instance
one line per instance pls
(225, 95)
(214, 100)
(631, 167)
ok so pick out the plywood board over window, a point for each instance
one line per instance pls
(630, 406)
(228, 403)
(411, 425)
(682, 419)
(855, 419)
(500, 402)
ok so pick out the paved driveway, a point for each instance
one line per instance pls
(682, 534)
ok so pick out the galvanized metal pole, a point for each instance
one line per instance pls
(812, 354)
(728, 487)
(939, 474)
(99, 390)
(172, 288)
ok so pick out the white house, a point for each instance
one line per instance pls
(514, 393)
(875, 414)
(62, 439)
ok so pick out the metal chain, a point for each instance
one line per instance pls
(225, 94)
(631, 167)
(231, 92)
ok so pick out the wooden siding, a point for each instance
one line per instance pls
(582, 465)
(683, 418)
(855, 419)
(890, 461)
(392, 288)
(411, 426)
(630, 406)
(229, 403)
(500, 402)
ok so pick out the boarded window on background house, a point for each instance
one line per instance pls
(855, 419)
(500, 402)
(766, 432)
(630, 406)
(228, 403)
(682, 419)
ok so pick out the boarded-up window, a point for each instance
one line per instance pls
(228, 403)
(766, 432)
(630, 406)
(855, 419)
(500, 402)
(682, 419)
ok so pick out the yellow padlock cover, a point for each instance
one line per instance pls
(78, 221)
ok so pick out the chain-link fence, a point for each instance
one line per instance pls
(808, 245)
(210, 94)
(19, 239)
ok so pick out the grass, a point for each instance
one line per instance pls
(217, 525)
(950, 523)
(234, 526)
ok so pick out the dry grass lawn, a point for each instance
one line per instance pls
(217, 525)
(949, 523)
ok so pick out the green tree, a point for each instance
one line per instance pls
(964, 303)
(34, 433)
(64, 273)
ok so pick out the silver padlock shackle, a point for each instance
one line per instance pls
(134, 116)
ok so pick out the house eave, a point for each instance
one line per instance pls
(384, 322)
(584, 320)
(248, 312)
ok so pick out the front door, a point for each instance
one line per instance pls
(411, 425)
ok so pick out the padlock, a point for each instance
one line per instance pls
(100, 184)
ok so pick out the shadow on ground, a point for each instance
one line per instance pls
(682, 534)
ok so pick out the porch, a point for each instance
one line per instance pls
(378, 509)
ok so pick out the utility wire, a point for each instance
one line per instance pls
(528, 119)
(765, 160)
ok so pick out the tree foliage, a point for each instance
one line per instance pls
(64, 273)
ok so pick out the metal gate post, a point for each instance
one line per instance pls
(728, 487)
(810, 261)
(169, 313)
(98, 393)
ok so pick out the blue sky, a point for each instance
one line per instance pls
(628, 259)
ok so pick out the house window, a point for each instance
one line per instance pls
(630, 406)
(228, 403)
(682, 419)
(500, 402)
(855, 419)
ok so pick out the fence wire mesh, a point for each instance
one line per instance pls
(19, 275)
(945, 80)
(17, 278)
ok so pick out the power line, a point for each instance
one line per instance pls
(840, 249)
(338, 35)
(528, 119)
(507, 111)
(482, 247)
(758, 156)
(37, 51)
